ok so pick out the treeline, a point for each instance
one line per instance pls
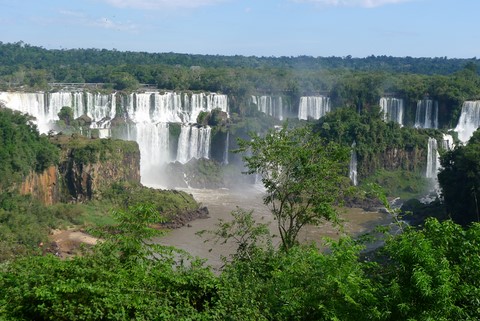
(347, 78)
(21, 54)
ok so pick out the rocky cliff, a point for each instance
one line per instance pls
(391, 159)
(43, 186)
(87, 166)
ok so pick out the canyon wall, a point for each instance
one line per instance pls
(86, 168)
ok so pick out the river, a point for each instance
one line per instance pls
(221, 202)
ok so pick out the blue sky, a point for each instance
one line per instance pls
(417, 28)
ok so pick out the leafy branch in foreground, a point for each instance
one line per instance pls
(131, 238)
(248, 235)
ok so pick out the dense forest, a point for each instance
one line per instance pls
(425, 272)
(353, 82)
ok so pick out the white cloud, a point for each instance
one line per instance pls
(109, 24)
(352, 3)
(160, 4)
(81, 18)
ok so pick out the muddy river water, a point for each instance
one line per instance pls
(221, 202)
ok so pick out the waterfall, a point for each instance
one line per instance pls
(194, 142)
(469, 120)
(447, 143)
(28, 103)
(173, 107)
(100, 108)
(353, 165)
(153, 141)
(46, 106)
(426, 115)
(272, 106)
(313, 107)
(148, 115)
(433, 163)
(227, 149)
(392, 109)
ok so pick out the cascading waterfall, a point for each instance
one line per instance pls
(433, 167)
(28, 103)
(426, 115)
(433, 159)
(313, 107)
(46, 106)
(353, 165)
(227, 149)
(272, 106)
(100, 108)
(469, 120)
(148, 114)
(153, 141)
(194, 142)
(447, 143)
(392, 109)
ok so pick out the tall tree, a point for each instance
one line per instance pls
(304, 177)
(460, 181)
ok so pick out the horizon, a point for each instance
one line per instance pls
(235, 55)
(248, 28)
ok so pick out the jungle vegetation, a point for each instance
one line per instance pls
(431, 272)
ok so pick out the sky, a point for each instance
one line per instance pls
(319, 28)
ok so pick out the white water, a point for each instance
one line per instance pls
(272, 106)
(313, 107)
(469, 120)
(426, 115)
(227, 149)
(46, 106)
(447, 143)
(433, 163)
(353, 165)
(194, 142)
(149, 114)
(392, 109)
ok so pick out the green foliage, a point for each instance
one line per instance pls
(427, 274)
(119, 280)
(379, 145)
(248, 236)
(83, 150)
(302, 284)
(433, 273)
(25, 223)
(66, 114)
(131, 237)
(22, 149)
(203, 117)
(123, 81)
(169, 203)
(399, 183)
(303, 175)
(459, 179)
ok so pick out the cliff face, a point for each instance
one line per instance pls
(43, 186)
(393, 159)
(87, 166)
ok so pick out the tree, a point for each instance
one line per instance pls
(124, 81)
(459, 179)
(304, 177)
(66, 114)
(432, 273)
